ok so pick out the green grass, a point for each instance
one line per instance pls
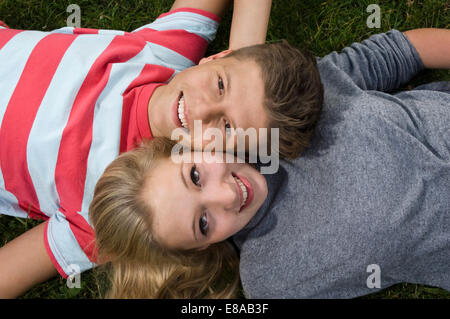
(322, 26)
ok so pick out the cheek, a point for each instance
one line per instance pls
(262, 190)
(195, 80)
(227, 227)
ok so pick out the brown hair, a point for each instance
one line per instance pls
(293, 92)
(134, 263)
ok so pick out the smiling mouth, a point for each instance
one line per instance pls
(182, 112)
(243, 192)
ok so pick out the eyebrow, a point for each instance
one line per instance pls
(228, 78)
(227, 75)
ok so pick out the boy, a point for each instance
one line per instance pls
(371, 197)
(73, 99)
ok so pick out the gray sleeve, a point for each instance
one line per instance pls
(383, 62)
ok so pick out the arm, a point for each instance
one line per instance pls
(383, 62)
(24, 263)
(433, 46)
(217, 7)
(249, 23)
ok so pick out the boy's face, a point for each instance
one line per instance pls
(224, 93)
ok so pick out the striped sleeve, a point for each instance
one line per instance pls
(183, 31)
(70, 243)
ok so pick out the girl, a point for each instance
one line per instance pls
(164, 248)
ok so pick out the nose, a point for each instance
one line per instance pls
(206, 125)
(206, 109)
(220, 191)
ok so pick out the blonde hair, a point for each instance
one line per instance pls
(136, 266)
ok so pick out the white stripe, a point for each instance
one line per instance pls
(168, 58)
(9, 205)
(110, 32)
(66, 30)
(64, 245)
(53, 114)
(13, 57)
(188, 21)
(106, 128)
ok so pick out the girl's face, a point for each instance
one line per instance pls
(198, 204)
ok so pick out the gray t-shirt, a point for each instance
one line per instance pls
(373, 188)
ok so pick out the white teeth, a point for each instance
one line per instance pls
(181, 112)
(244, 191)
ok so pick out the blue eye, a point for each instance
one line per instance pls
(221, 86)
(203, 224)
(195, 175)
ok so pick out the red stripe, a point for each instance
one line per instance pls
(189, 45)
(71, 166)
(83, 232)
(150, 73)
(20, 114)
(85, 31)
(207, 14)
(6, 35)
(50, 254)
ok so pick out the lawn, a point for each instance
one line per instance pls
(322, 26)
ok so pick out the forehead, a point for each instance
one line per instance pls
(170, 204)
(156, 192)
(245, 72)
(246, 92)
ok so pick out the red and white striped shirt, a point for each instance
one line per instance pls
(72, 100)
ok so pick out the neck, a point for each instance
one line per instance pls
(154, 114)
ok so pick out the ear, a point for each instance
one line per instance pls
(215, 56)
